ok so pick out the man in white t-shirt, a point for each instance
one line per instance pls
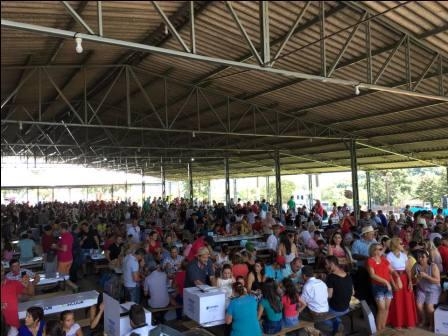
(272, 241)
(134, 232)
(314, 293)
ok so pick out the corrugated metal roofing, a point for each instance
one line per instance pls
(415, 127)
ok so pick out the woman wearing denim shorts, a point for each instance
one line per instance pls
(428, 288)
(382, 276)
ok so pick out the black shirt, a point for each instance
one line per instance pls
(90, 242)
(342, 291)
(194, 272)
(114, 251)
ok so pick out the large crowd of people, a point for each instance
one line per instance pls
(310, 266)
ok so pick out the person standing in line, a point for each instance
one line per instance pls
(64, 248)
(132, 276)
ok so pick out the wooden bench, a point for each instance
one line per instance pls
(301, 325)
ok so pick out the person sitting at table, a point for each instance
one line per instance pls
(115, 250)
(69, 326)
(34, 322)
(27, 247)
(172, 263)
(256, 278)
(239, 268)
(291, 303)
(293, 270)
(137, 319)
(273, 240)
(8, 251)
(340, 290)
(53, 328)
(96, 314)
(242, 313)
(338, 249)
(225, 281)
(152, 245)
(271, 303)
(155, 288)
(222, 257)
(314, 294)
(287, 248)
(200, 270)
(275, 271)
(18, 273)
(178, 286)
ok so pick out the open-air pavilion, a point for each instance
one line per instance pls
(241, 88)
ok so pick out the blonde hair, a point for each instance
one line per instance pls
(395, 244)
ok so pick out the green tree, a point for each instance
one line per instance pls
(288, 188)
(431, 189)
(390, 186)
(200, 189)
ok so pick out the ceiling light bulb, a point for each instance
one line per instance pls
(192, 159)
(194, 135)
(79, 48)
(20, 126)
(357, 90)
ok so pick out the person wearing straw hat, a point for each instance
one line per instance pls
(360, 248)
(360, 252)
(200, 270)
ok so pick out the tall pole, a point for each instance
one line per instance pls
(369, 195)
(162, 177)
(310, 191)
(143, 188)
(268, 191)
(190, 181)
(278, 182)
(354, 170)
(227, 181)
(235, 193)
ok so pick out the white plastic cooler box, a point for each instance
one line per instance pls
(205, 305)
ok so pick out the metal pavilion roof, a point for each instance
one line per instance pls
(245, 80)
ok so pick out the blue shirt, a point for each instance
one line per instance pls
(130, 266)
(361, 247)
(26, 248)
(276, 274)
(271, 314)
(287, 271)
(244, 316)
(24, 331)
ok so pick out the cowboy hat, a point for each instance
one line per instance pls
(367, 229)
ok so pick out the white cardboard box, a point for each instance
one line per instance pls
(441, 322)
(207, 308)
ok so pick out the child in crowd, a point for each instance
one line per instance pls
(68, 324)
(225, 281)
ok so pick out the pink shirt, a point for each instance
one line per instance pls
(289, 309)
(66, 239)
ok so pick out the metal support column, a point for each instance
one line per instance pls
(310, 191)
(227, 181)
(278, 182)
(235, 194)
(190, 181)
(264, 32)
(369, 196)
(162, 176)
(354, 170)
(112, 192)
(268, 191)
(209, 192)
(143, 188)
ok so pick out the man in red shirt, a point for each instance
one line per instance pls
(443, 250)
(64, 248)
(202, 241)
(10, 291)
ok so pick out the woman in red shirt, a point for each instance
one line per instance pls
(153, 246)
(291, 303)
(239, 268)
(382, 276)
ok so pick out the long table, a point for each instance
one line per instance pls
(58, 304)
(45, 281)
(36, 262)
(228, 239)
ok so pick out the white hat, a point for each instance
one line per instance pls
(367, 229)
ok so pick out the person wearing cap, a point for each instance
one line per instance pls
(200, 270)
